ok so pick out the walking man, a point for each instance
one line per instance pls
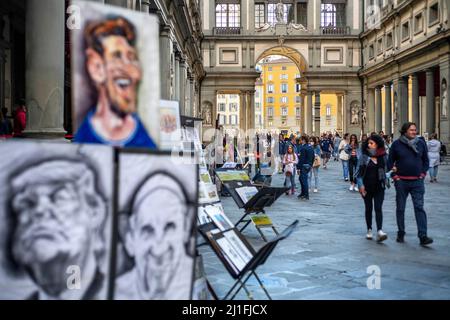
(408, 159)
(304, 165)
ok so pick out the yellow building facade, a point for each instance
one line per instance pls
(281, 98)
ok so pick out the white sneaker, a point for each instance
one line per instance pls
(315, 190)
(381, 236)
(351, 188)
(369, 234)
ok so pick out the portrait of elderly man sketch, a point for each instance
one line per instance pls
(156, 233)
(56, 214)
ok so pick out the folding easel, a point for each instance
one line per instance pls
(258, 258)
(265, 197)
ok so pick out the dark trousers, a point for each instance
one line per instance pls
(304, 171)
(417, 190)
(374, 199)
(352, 162)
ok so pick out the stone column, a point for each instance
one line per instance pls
(242, 110)
(370, 111)
(191, 96)
(444, 127)
(308, 109)
(387, 109)
(251, 107)
(430, 117)
(378, 110)
(317, 114)
(177, 77)
(165, 46)
(2, 70)
(415, 100)
(400, 111)
(45, 24)
(403, 100)
(182, 85)
(303, 111)
(339, 123)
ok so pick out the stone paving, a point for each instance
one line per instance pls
(327, 256)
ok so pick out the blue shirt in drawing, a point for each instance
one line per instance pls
(138, 138)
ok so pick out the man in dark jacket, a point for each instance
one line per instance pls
(408, 159)
(304, 165)
(281, 151)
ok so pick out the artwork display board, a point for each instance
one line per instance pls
(95, 222)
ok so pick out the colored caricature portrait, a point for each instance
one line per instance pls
(113, 68)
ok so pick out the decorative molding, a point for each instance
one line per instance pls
(327, 50)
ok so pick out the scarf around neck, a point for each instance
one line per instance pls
(412, 143)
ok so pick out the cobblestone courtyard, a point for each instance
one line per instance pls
(327, 256)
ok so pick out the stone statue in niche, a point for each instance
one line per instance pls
(354, 110)
(206, 114)
(395, 108)
(444, 98)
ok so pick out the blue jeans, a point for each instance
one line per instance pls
(304, 170)
(345, 168)
(417, 190)
(433, 171)
(290, 181)
(315, 172)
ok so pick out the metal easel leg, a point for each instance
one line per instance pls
(262, 285)
(238, 281)
(262, 234)
(245, 226)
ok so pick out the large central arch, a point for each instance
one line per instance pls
(289, 53)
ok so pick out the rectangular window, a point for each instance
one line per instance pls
(270, 100)
(302, 14)
(380, 46)
(257, 105)
(222, 107)
(405, 31)
(371, 51)
(284, 76)
(283, 68)
(284, 99)
(270, 111)
(222, 119)
(259, 15)
(332, 14)
(297, 99)
(389, 40)
(270, 77)
(228, 15)
(233, 107)
(297, 112)
(270, 88)
(284, 88)
(284, 111)
(418, 23)
(270, 69)
(328, 110)
(298, 87)
(433, 13)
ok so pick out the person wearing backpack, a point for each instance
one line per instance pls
(371, 179)
(314, 141)
(290, 161)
